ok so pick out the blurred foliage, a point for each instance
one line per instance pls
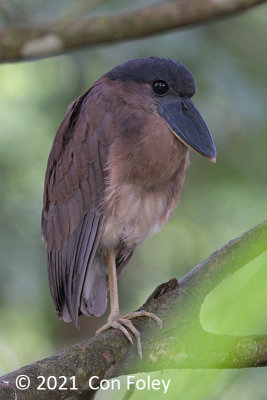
(218, 202)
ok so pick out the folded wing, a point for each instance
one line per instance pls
(72, 215)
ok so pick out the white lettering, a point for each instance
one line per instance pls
(104, 384)
(91, 383)
(115, 382)
(156, 384)
(166, 386)
(148, 382)
(140, 384)
(130, 381)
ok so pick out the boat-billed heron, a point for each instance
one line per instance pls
(114, 175)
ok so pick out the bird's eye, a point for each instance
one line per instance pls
(160, 88)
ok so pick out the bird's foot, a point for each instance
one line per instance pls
(121, 323)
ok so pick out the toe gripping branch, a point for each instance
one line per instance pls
(181, 343)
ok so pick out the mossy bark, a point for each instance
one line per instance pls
(181, 343)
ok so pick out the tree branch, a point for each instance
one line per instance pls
(182, 343)
(29, 42)
(79, 9)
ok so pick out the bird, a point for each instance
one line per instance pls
(114, 175)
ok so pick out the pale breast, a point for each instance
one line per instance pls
(134, 214)
(145, 175)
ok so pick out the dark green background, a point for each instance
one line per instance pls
(218, 201)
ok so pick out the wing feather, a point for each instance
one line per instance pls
(71, 218)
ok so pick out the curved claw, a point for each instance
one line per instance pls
(116, 325)
(103, 328)
(117, 322)
(136, 333)
(144, 314)
(119, 326)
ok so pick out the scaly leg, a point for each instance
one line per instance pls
(114, 319)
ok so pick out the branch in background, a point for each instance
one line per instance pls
(182, 343)
(79, 9)
(11, 12)
(29, 42)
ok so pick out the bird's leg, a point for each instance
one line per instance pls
(113, 285)
(114, 319)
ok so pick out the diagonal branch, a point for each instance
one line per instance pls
(225, 261)
(29, 42)
(182, 343)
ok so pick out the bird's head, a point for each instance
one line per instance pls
(172, 86)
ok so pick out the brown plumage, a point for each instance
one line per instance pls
(114, 175)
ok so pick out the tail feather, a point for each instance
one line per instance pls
(94, 294)
(77, 276)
